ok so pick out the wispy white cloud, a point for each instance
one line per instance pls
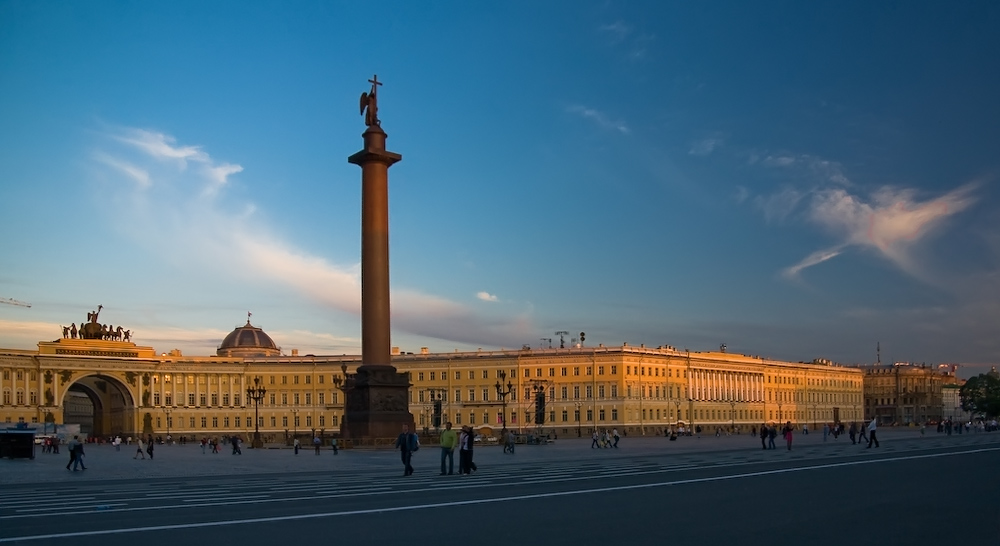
(777, 206)
(817, 257)
(161, 146)
(705, 146)
(617, 31)
(598, 117)
(219, 175)
(623, 36)
(486, 296)
(891, 222)
(140, 176)
(779, 161)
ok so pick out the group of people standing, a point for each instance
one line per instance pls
(464, 440)
(769, 433)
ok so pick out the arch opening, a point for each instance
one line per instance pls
(101, 406)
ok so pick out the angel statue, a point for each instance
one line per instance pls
(370, 101)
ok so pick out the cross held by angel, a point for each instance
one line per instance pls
(369, 102)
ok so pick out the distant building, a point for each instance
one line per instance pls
(951, 404)
(904, 393)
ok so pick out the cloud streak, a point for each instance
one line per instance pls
(601, 119)
(891, 222)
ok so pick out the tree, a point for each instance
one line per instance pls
(981, 395)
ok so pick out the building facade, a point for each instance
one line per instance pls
(637, 390)
(904, 394)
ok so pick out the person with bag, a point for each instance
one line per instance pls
(407, 443)
(788, 434)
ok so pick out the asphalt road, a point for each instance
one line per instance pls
(910, 491)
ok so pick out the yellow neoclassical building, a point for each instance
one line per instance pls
(112, 387)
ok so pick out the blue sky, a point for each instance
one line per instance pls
(794, 180)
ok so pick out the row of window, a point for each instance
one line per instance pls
(19, 375)
(19, 397)
(237, 421)
(272, 399)
(234, 380)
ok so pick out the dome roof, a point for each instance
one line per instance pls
(248, 340)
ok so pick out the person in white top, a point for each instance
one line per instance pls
(871, 433)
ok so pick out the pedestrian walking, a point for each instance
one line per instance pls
(407, 443)
(614, 434)
(826, 430)
(333, 444)
(772, 432)
(853, 432)
(871, 433)
(763, 435)
(72, 453)
(862, 436)
(236, 445)
(296, 444)
(594, 443)
(204, 444)
(449, 440)
(138, 449)
(149, 446)
(788, 430)
(317, 442)
(78, 450)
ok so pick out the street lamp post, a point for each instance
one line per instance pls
(256, 393)
(168, 411)
(579, 431)
(503, 391)
(538, 388)
(732, 415)
(295, 423)
(779, 412)
(677, 416)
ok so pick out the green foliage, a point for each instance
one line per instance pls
(981, 395)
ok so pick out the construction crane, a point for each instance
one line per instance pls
(562, 341)
(12, 301)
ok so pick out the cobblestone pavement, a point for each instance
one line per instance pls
(187, 461)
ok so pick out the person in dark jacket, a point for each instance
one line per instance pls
(407, 443)
(72, 453)
(78, 451)
(763, 436)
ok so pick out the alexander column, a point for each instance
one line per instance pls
(377, 397)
